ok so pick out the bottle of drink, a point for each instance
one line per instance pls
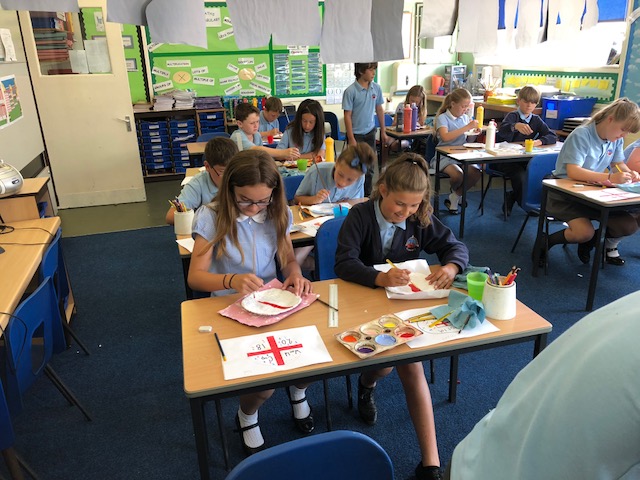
(491, 136)
(406, 128)
(330, 153)
(399, 118)
(414, 117)
(471, 109)
(480, 115)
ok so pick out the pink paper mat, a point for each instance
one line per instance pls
(236, 312)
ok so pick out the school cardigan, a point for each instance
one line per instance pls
(508, 133)
(360, 246)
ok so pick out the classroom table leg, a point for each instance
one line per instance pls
(436, 194)
(186, 261)
(593, 281)
(453, 378)
(539, 344)
(327, 404)
(538, 241)
(200, 431)
(463, 210)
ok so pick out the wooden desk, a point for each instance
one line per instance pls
(436, 101)
(24, 204)
(399, 136)
(19, 263)
(202, 364)
(566, 187)
(196, 148)
(466, 163)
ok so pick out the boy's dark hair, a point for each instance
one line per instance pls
(529, 94)
(219, 151)
(359, 68)
(273, 104)
(243, 110)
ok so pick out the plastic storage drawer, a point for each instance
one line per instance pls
(555, 109)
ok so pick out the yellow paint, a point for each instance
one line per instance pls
(603, 84)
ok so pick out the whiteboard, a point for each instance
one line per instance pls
(20, 142)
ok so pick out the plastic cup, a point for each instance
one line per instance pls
(302, 164)
(500, 301)
(475, 284)
(182, 222)
(270, 139)
(340, 211)
(528, 145)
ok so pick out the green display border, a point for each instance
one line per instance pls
(183, 51)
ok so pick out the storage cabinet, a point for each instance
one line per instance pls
(163, 136)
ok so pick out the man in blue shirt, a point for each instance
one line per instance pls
(361, 101)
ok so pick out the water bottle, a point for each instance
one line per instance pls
(414, 117)
(330, 153)
(480, 115)
(399, 118)
(470, 109)
(491, 136)
(406, 128)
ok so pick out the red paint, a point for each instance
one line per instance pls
(414, 288)
(273, 305)
(349, 338)
(406, 335)
(275, 350)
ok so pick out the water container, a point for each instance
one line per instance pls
(330, 153)
(414, 117)
(399, 118)
(406, 128)
(480, 115)
(491, 136)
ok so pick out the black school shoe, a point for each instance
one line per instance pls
(247, 449)
(584, 251)
(427, 473)
(617, 261)
(366, 404)
(305, 425)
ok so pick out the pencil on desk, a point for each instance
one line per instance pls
(327, 304)
(464, 324)
(224, 357)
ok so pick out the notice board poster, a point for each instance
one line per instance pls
(223, 69)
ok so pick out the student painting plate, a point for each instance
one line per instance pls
(270, 302)
(419, 288)
(326, 209)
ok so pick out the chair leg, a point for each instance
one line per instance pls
(53, 376)
(68, 330)
(524, 224)
(484, 194)
(27, 468)
(432, 371)
(349, 391)
(12, 463)
(504, 197)
(327, 404)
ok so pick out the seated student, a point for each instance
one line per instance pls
(339, 181)
(237, 241)
(397, 223)
(586, 153)
(248, 138)
(269, 125)
(203, 187)
(306, 131)
(417, 95)
(572, 412)
(519, 126)
(632, 156)
(451, 123)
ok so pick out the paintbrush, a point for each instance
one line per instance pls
(327, 304)
(324, 185)
(411, 285)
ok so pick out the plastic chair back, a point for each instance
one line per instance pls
(37, 317)
(332, 119)
(205, 137)
(539, 167)
(291, 184)
(388, 120)
(52, 265)
(283, 121)
(326, 243)
(338, 455)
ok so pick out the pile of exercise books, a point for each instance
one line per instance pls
(206, 103)
(183, 98)
(163, 102)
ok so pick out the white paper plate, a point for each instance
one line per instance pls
(295, 228)
(272, 301)
(473, 145)
(473, 133)
(326, 208)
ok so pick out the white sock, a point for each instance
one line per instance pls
(453, 199)
(300, 410)
(252, 437)
(612, 243)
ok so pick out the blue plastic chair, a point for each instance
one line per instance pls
(339, 455)
(205, 137)
(291, 184)
(388, 120)
(332, 118)
(539, 167)
(283, 121)
(53, 266)
(325, 245)
(7, 439)
(30, 344)
(493, 174)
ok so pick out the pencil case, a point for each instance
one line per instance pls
(378, 335)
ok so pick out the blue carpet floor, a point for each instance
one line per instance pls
(128, 289)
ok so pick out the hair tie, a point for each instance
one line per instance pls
(355, 163)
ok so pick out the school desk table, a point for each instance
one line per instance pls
(399, 136)
(197, 148)
(19, 263)
(466, 163)
(435, 101)
(23, 205)
(572, 191)
(202, 363)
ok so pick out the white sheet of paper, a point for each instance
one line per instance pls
(609, 194)
(438, 18)
(310, 227)
(343, 39)
(128, 11)
(97, 53)
(298, 22)
(467, 155)
(183, 22)
(386, 18)
(252, 22)
(444, 332)
(78, 59)
(272, 352)
(9, 51)
(419, 266)
(475, 36)
(529, 32)
(41, 5)
(187, 243)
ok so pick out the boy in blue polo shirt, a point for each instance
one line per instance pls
(203, 187)
(361, 101)
(269, 125)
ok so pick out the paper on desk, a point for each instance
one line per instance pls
(272, 352)
(468, 155)
(311, 227)
(609, 195)
(405, 293)
(186, 243)
(186, 180)
(444, 332)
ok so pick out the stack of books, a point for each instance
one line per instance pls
(206, 103)
(183, 98)
(163, 102)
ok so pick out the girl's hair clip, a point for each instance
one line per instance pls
(355, 163)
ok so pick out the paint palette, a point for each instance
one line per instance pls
(378, 336)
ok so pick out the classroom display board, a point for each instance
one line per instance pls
(223, 69)
(600, 85)
(630, 84)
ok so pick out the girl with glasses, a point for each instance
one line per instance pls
(238, 238)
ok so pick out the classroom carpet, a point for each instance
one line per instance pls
(128, 288)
